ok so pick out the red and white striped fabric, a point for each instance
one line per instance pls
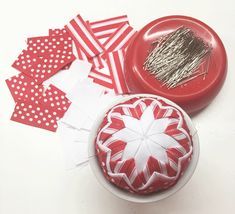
(99, 71)
(105, 28)
(97, 62)
(80, 54)
(120, 38)
(101, 77)
(84, 37)
(144, 145)
(115, 61)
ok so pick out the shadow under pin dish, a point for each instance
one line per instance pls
(177, 57)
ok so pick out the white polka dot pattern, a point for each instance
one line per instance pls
(49, 44)
(49, 66)
(39, 109)
(36, 115)
(24, 88)
(56, 32)
(25, 61)
(55, 98)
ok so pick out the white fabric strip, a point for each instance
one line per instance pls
(101, 33)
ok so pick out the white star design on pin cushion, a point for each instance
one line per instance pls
(145, 138)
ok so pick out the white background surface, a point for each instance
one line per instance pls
(33, 178)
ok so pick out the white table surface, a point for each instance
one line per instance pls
(33, 178)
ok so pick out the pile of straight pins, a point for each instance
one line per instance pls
(176, 56)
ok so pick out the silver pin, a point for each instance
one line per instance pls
(176, 56)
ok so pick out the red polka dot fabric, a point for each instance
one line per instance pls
(55, 98)
(59, 32)
(44, 57)
(144, 145)
(24, 88)
(37, 115)
(46, 45)
(35, 105)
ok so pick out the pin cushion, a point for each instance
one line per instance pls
(144, 145)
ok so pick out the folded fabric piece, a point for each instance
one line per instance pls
(76, 117)
(56, 32)
(75, 144)
(83, 37)
(105, 28)
(46, 45)
(80, 54)
(115, 61)
(24, 88)
(25, 60)
(55, 98)
(97, 62)
(37, 115)
(74, 127)
(101, 77)
(41, 110)
(66, 80)
(49, 66)
(45, 56)
(85, 94)
(121, 38)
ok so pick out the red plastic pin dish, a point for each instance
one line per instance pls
(193, 95)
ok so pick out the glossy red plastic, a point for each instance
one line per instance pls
(195, 94)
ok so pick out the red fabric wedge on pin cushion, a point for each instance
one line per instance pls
(84, 37)
(115, 61)
(105, 28)
(144, 145)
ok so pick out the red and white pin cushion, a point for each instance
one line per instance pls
(144, 145)
(195, 94)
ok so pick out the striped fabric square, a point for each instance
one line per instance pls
(100, 77)
(121, 38)
(84, 37)
(105, 28)
(115, 61)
